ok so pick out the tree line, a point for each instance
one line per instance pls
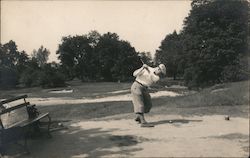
(88, 57)
(17, 67)
(96, 57)
(213, 45)
(211, 48)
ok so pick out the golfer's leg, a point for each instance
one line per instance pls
(138, 103)
(147, 102)
(137, 98)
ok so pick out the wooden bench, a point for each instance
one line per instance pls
(16, 121)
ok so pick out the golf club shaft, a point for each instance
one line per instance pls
(142, 61)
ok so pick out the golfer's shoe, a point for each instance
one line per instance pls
(147, 125)
(138, 120)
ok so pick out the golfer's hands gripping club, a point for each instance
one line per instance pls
(145, 66)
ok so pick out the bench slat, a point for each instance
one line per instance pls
(13, 108)
(24, 123)
(30, 121)
(13, 99)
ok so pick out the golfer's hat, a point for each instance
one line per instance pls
(163, 68)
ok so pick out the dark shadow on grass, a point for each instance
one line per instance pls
(103, 109)
(79, 142)
(231, 136)
(183, 121)
(87, 110)
(243, 139)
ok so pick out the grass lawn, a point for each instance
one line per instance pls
(107, 128)
(227, 99)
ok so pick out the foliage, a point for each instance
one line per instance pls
(16, 67)
(146, 58)
(47, 76)
(72, 52)
(116, 58)
(41, 55)
(50, 77)
(8, 77)
(11, 64)
(170, 53)
(95, 57)
(30, 77)
(212, 47)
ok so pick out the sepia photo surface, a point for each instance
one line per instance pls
(124, 78)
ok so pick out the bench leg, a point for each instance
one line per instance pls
(49, 135)
(2, 149)
(25, 137)
(23, 146)
(26, 145)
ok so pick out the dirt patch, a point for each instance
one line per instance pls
(206, 136)
(96, 99)
(99, 122)
(232, 136)
(126, 140)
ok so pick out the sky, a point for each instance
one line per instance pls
(143, 23)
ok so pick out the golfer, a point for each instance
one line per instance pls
(145, 77)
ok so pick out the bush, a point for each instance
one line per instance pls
(51, 77)
(29, 77)
(47, 76)
(237, 72)
(191, 77)
(8, 77)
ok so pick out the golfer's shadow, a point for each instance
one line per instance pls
(183, 121)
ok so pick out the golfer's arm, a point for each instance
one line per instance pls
(138, 72)
(155, 78)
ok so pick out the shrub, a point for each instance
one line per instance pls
(8, 77)
(51, 77)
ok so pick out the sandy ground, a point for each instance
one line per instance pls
(120, 136)
(97, 99)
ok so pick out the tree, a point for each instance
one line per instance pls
(11, 62)
(10, 54)
(51, 77)
(16, 67)
(170, 53)
(215, 40)
(22, 61)
(146, 58)
(41, 55)
(117, 59)
(94, 38)
(74, 54)
(94, 57)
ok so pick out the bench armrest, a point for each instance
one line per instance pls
(13, 99)
(13, 108)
